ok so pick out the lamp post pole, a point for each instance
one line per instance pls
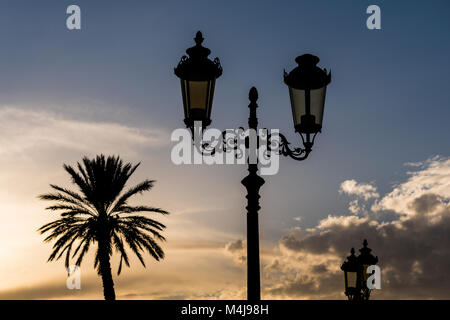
(253, 183)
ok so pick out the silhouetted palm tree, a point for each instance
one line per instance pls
(100, 214)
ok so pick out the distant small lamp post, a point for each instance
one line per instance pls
(307, 87)
(365, 259)
(198, 76)
(355, 273)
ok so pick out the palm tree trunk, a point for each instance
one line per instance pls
(105, 272)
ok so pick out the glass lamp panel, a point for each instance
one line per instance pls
(198, 94)
(297, 104)
(184, 95)
(365, 274)
(351, 279)
(210, 97)
(317, 104)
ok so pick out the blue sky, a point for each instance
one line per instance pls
(387, 104)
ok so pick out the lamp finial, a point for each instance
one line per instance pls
(253, 94)
(198, 38)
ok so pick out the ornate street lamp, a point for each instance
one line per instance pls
(198, 76)
(307, 86)
(355, 273)
(365, 259)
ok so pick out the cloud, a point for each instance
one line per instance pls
(23, 130)
(433, 178)
(237, 250)
(413, 249)
(363, 190)
(235, 246)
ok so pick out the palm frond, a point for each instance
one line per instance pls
(140, 188)
(135, 209)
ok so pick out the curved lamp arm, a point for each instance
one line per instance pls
(297, 153)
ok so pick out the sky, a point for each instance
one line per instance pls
(379, 170)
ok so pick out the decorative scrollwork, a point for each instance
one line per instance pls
(230, 140)
(236, 140)
(217, 63)
(183, 60)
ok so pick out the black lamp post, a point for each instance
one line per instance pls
(307, 88)
(355, 273)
